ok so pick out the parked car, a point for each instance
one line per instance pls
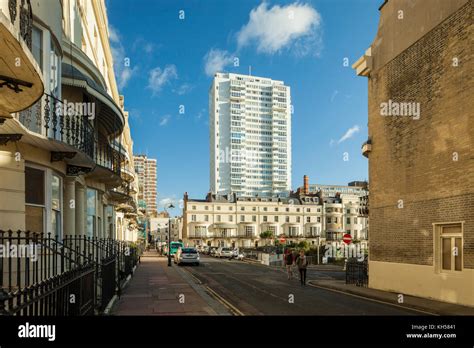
(224, 252)
(236, 254)
(213, 251)
(187, 256)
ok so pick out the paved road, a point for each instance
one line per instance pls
(258, 290)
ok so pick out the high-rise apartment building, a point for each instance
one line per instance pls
(250, 136)
(146, 171)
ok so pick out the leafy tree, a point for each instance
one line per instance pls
(266, 235)
(303, 245)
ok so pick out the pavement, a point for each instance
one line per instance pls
(157, 289)
(422, 304)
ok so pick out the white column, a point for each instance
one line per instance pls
(69, 206)
(80, 210)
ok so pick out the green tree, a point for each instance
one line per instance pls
(303, 245)
(266, 236)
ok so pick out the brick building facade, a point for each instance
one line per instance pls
(421, 164)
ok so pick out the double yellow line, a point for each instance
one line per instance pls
(234, 310)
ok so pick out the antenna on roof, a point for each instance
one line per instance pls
(250, 70)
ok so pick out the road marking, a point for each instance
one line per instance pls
(373, 300)
(234, 310)
(194, 277)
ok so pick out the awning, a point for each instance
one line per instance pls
(22, 84)
(109, 115)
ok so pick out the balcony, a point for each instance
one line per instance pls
(199, 235)
(127, 174)
(237, 86)
(367, 148)
(68, 134)
(47, 119)
(275, 106)
(20, 86)
(334, 236)
(252, 235)
(364, 64)
(76, 84)
(238, 99)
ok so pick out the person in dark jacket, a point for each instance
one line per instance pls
(302, 264)
(289, 262)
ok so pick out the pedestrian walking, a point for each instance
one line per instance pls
(302, 264)
(289, 261)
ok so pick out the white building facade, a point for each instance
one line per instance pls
(314, 217)
(238, 221)
(250, 136)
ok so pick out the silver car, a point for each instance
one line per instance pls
(187, 256)
(225, 252)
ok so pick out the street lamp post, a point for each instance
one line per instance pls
(319, 236)
(170, 206)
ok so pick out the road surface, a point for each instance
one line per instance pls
(252, 289)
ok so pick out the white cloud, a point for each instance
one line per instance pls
(295, 26)
(141, 45)
(336, 92)
(122, 66)
(200, 114)
(135, 114)
(158, 78)
(350, 132)
(216, 60)
(166, 201)
(183, 89)
(149, 47)
(113, 35)
(164, 120)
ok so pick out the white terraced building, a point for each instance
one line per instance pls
(250, 136)
(231, 221)
(323, 216)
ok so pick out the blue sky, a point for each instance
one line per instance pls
(163, 62)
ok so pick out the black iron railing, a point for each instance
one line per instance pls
(107, 157)
(50, 118)
(56, 120)
(357, 272)
(74, 275)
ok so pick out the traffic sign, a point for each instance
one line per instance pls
(347, 238)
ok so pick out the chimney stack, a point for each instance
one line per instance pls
(306, 185)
